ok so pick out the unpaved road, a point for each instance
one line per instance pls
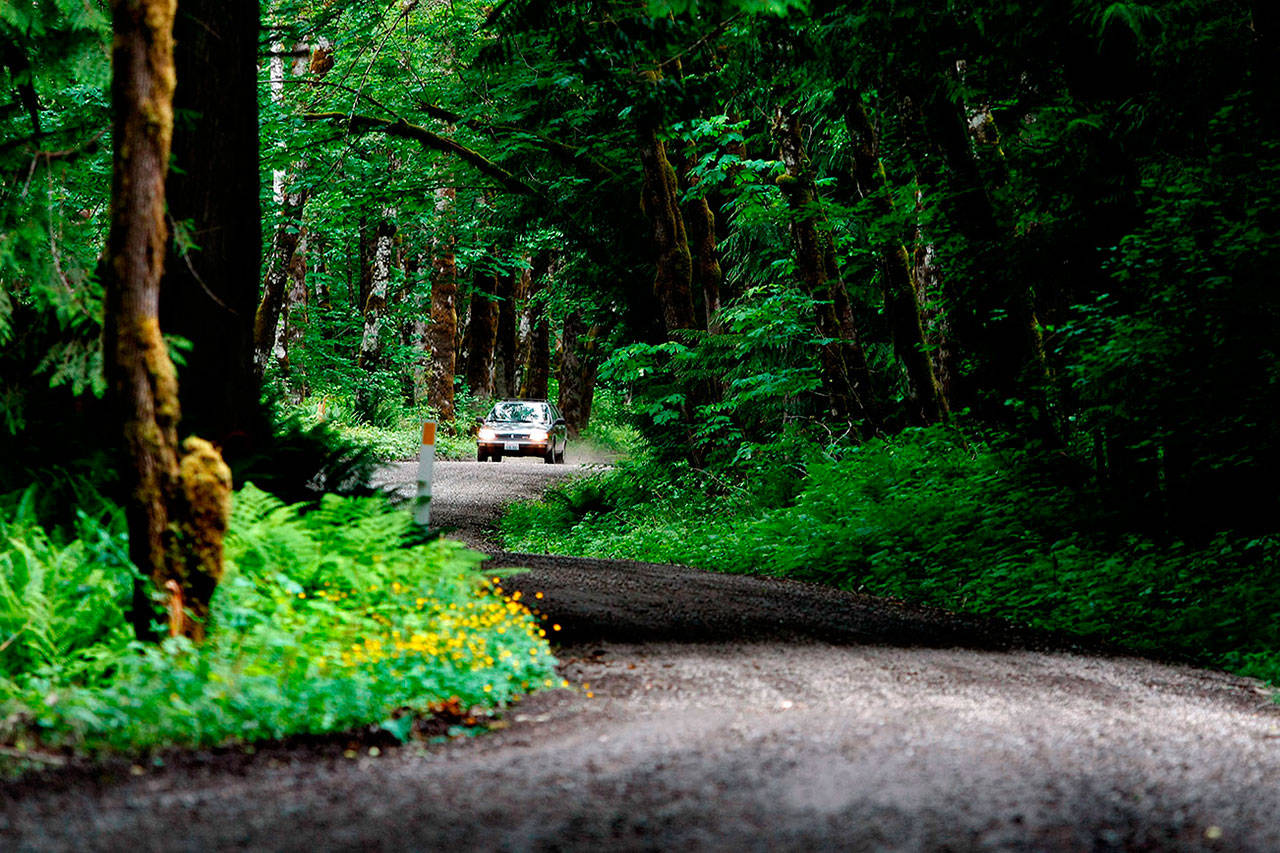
(730, 713)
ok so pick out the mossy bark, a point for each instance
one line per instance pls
(991, 305)
(375, 305)
(537, 368)
(287, 266)
(481, 334)
(897, 276)
(442, 333)
(673, 275)
(506, 370)
(700, 223)
(845, 374)
(179, 498)
(578, 365)
(537, 375)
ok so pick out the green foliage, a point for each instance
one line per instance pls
(612, 427)
(938, 516)
(59, 595)
(326, 620)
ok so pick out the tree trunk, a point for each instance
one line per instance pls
(482, 333)
(931, 299)
(578, 365)
(293, 315)
(419, 328)
(321, 252)
(179, 502)
(210, 293)
(537, 369)
(701, 228)
(375, 305)
(287, 255)
(672, 282)
(896, 274)
(524, 329)
(846, 376)
(992, 312)
(538, 373)
(444, 313)
(506, 373)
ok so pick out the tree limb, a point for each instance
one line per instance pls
(564, 153)
(429, 140)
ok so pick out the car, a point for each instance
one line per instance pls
(522, 428)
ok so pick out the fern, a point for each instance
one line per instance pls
(1140, 19)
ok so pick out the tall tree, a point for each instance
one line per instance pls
(506, 370)
(211, 276)
(660, 198)
(375, 305)
(897, 276)
(537, 367)
(442, 333)
(179, 499)
(845, 373)
(482, 333)
(578, 366)
(285, 272)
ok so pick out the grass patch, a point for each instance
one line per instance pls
(934, 516)
(328, 619)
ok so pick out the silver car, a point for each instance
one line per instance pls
(522, 428)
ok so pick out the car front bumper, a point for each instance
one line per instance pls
(514, 447)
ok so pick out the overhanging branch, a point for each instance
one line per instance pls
(427, 139)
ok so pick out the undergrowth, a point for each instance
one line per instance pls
(329, 619)
(392, 432)
(934, 516)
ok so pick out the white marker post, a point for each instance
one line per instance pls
(426, 461)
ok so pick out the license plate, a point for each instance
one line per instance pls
(511, 445)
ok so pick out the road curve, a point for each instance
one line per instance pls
(715, 712)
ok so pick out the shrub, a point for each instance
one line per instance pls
(939, 516)
(326, 620)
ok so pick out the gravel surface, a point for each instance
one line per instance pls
(468, 497)
(731, 713)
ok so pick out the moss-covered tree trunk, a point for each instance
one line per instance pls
(897, 276)
(505, 368)
(537, 368)
(845, 374)
(210, 292)
(293, 315)
(285, 269)
(442, 333)
(482, 332)
(578, 364)
(990, 304)
(179, 498)
(524, 329)
(537, 375)
(673, 275)
(700, 222)
(418, 328)
(375, 305)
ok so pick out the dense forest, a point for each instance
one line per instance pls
(969, 303)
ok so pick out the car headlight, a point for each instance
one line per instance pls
(537, 435)
(487, 434)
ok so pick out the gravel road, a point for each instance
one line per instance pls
(727, 713)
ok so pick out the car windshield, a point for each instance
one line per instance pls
(516, 412)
